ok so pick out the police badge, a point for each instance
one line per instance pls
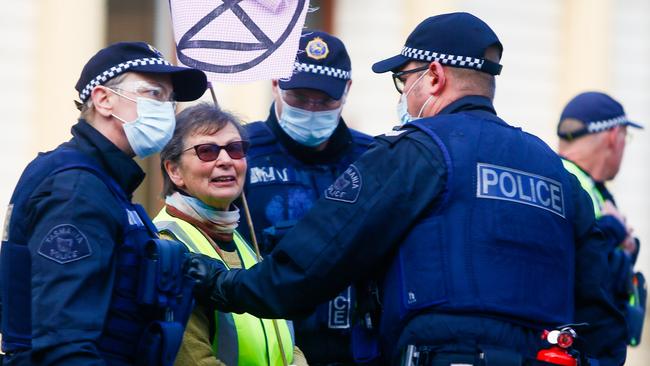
(317, 49)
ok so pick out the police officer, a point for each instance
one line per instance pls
(83, 283)
(472, 226)
(295, 154)
(592, 131)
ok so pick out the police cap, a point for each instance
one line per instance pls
(591, 112)
(322, 64)
(454, 39)
(118, 58)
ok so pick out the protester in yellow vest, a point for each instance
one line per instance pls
(593, 130)
(204, 169)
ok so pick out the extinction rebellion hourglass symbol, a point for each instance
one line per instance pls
(264, 43)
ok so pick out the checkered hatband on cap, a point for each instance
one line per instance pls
(452, 60)
(597, 126)
(322, 70)
(117, 70)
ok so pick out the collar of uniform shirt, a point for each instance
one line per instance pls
(470, 102)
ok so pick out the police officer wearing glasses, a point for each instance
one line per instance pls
(295, 154)
(85, 281)
(477, 236)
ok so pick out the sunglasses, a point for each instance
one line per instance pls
(399, 82)
(210, 152)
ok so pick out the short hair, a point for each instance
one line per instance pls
(473, 81)
(568, 127)
(87, 107)
(201, 118)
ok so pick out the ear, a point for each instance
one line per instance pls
(438, 79)
(101, 101)
(275, 91)
(174, 173)
(275, 87)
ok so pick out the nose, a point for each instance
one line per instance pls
(223, 158)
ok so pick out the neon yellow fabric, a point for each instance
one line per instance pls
(587, 184)
(254, 338)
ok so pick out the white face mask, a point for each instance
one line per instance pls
(402, 106)
(151, 131)
(307, 127)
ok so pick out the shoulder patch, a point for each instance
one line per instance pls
(346, 187)
(64, 244)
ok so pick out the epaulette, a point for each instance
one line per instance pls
(394, 135)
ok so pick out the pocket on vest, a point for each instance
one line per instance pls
(422, 266)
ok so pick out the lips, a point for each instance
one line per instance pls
(223, 179)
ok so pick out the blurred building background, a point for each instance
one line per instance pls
(553, 50)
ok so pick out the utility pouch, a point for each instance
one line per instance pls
(635, 309)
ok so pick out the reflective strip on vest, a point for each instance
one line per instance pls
(587, 184)
(240, 338)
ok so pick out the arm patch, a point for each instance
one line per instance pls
(346, 187)
(64, 244)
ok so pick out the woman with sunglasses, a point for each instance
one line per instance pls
(204, 169)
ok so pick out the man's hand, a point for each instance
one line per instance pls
(208, 275)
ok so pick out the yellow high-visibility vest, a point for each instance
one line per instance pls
(588, 185)
(240, 339)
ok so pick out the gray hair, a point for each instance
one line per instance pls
(202, 118)
(87, 107)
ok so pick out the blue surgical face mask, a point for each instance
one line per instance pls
(402, 106)
(153, 128)
(306, 127)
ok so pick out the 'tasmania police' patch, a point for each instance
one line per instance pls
(346, 187)
(317, 49)
(64, 244)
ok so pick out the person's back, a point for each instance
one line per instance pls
(72, 262)
(295, 155)
(485, 271)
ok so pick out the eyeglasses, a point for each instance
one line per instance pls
(210, 152)
(399, 82)
(300, 101)
(145, 89)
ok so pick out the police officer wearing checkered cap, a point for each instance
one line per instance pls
(593, 130)
(83, 280)
(295, 154)
(477, 236)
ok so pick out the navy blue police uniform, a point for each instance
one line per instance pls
(85, 280)
(478, 237)
(286, 177)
